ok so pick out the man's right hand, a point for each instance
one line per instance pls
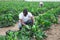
(22, 22)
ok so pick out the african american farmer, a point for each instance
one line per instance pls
(25, 18)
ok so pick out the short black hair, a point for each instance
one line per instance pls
(25, 10)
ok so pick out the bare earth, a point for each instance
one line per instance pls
(53, 33)
(4, 30)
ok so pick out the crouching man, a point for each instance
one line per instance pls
(25, 18)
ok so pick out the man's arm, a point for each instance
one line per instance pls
(20, 20)
(32, 18)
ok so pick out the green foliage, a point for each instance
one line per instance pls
(9, 16)
(25, 34)
(9, 10)
(40, 35)
(45, 20)
(2, 37)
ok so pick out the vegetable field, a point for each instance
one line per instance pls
(44, 16)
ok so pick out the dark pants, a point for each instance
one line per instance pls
(29, 22)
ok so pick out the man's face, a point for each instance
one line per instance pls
(25, 12)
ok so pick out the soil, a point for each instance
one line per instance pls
(4, 30)
(52, 34)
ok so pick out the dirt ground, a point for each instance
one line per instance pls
(52, 34)
(4, 30)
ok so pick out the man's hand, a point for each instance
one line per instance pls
(22, 22)
(32, 18)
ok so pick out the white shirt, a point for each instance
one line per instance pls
(25, 18)
(41, 2)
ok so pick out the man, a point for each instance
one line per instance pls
(41, 4)
(25, 18)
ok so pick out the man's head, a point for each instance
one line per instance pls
(25, 12)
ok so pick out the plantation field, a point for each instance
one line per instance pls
(9, 10)
(44, 17)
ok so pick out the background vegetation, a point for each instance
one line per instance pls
(44, 17)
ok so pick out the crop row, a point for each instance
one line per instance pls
(43, 22)
(9, 11)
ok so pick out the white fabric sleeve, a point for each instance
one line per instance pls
(30, 14)
(20, 16)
